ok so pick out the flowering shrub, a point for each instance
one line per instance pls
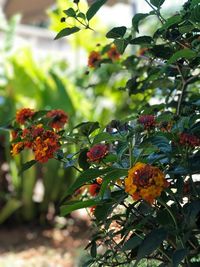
(138, 177)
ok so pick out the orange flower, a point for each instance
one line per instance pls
(23, 115)
(113, 53)
(45, 146)
(148, 121)
(97, 152)
(59, 118)
(189, 140)
(145, 182)
(17, 148)
(94, 59)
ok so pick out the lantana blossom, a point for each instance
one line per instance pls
(145, 182)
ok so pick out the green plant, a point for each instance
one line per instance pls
(137, 175)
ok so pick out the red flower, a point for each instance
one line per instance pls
(23, 115)
(94, 59)
(148, 121)
(97, 152)
(113, 53)
(45, 146)
(94, 189)
(59, 118)
(189, 140)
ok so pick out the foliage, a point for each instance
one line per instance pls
(138, 175)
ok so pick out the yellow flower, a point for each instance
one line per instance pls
(145, 182)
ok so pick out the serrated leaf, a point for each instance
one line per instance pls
(184, 53)
(150, 243)
(75, 205)
(94, 8)
(67, 31)
(116, 32)
(27, 165)
(142, 40)
(157, 3)
(178, 256)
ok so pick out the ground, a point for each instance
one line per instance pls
(28, 246)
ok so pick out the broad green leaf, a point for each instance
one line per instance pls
(160, 141)
(116, 32)
(107, 137)
(70, 12)
(66, 32)
(132, 243)
(85, 177)
(184, 53)
(94, 8)
(171, 21)
(86, 128)
(112, 176)
(195, 14)
(121, 45)
(194, 3)
(75, 205)
(93, 250)
(27, 165)
(157, 3)
(138, 18)
(142, 40)
(178, 256)
(150, 243)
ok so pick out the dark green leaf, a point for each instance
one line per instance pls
(132, 243)
(75, 205)
(94, 8)
(116, 32)
(157, 3)
(142, 40)
(184, 53)
(27, 165)
(121, 45)
(171, 21)
(195, 14)
(86, 128)
(82, 159)
(178, 256)
(138, 18)
(70, 12)
(66, 32)
(107, 137)
(81, 15)
(93, 250)
(151, 242)
(161, 142)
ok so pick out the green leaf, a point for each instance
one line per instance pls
(116, 32)
(142, 40)
(93, 250)
(82, 159)
(66, 32)
(160, 141)
(27, 165)
(85, 177)
(171, 21)
(151, 242)
(157, 3)
(121, 45)
(138, 18)
(70, 12)
(132, 243)
(75, 205)
(178, 256)
(94, 8)
(107, 137)
(86, 128)
(184, 53)
(195, 14)
(81, 15)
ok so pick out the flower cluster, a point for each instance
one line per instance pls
(33, 134)
(189, 140)
(95, 57)
(97, 153)
(148, 121)
(145, 182)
